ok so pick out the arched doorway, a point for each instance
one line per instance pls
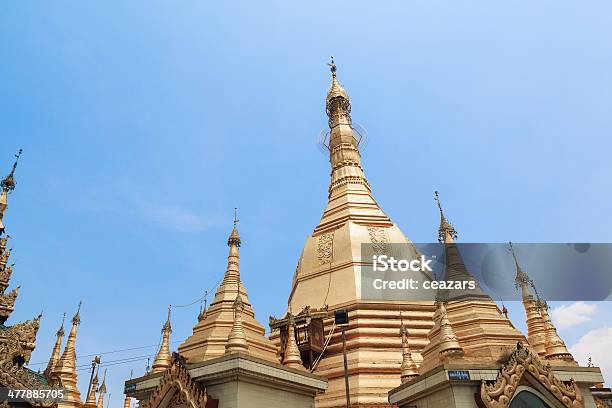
(526, 399)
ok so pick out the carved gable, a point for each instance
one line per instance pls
(177, 390)
(523, 360)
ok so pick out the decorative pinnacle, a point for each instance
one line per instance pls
(77, 316)
(445, 226)
(234, 238)
(332, 67)
(8, 183)
(521, 277)
(167, 324)
(60, 331)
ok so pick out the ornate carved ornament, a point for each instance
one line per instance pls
(17, 377)
(325, 248)
(379, 239)
(5, 276)
(177, 386)
(500, 392)
(17, 342)
(7, 304)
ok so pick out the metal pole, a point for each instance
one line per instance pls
(93, 369)
(346, 381)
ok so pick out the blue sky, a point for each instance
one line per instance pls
(144, 124)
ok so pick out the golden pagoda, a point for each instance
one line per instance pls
(328, 276)
(214, 327)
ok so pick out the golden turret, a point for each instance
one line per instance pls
(64, 375)
(55, 354)
(292, 356)
(90, 402)
(535, 324)
(449, 344)
(455, 269)
(409, 367)
(7, 185)
(237, 341)
(164, 358)
(216, 322)
(102, 392)
(555, 346)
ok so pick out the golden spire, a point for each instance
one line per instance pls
(446, 232)
(7, 185)
(343, 146)
(102, 391)
(231, 285)
(449, 344)
(127, 402)
(236, 341)
(521, 280)
(555, 347)
(409, 367)
(292, 357)
(55, 354)
(535, 324)
(91, 398)
(164, 358)
(454, 267)
(65, 370)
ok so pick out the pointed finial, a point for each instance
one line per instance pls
(167, 325)
(521, 277)
(203, 306)
(234, 238)
(446, 229)
(60, 331)
(8, 183)
(437, 198)
(332, 66)
(77, 316)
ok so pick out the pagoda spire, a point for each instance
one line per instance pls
(292, 357)
(237, 341)
(65, 370)
(231, 285)
(7, 185)
(454, 267)
(409, 367)
(446, 232)
(555, 346)
(164, 358)
(127, 402)
(55, 354)
(349, 193)
(90, 402)
(535, 324)
(345, 157)
(102, 392)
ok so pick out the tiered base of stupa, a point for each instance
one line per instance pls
(374, 351)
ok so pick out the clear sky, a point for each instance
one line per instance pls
(144, 123)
